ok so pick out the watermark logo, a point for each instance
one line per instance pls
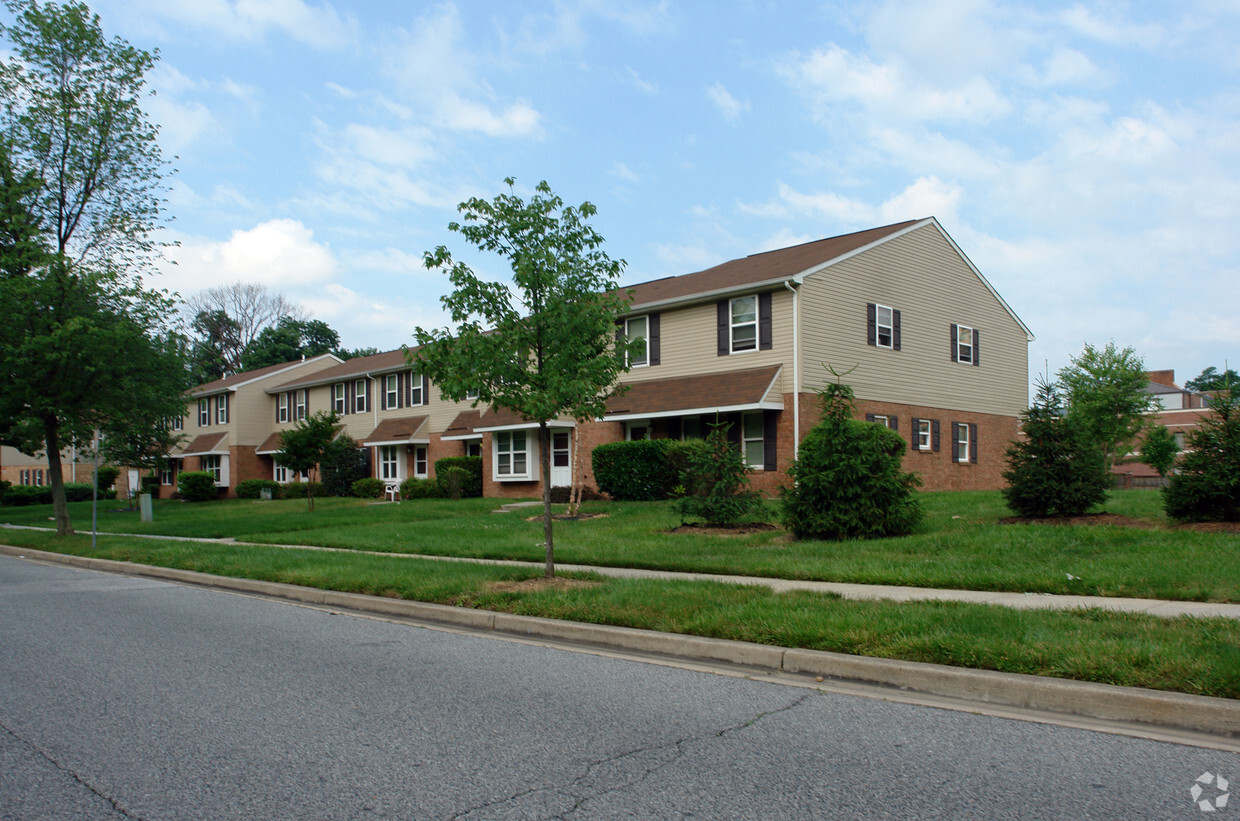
(1209, 792)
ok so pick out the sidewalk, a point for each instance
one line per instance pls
(1016, 601)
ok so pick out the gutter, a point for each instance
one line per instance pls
(796, 366)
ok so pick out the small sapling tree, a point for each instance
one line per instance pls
(307, 445)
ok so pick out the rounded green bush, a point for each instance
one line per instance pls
(415, 488)
(197, 486)
(368, 488)
(253, 488)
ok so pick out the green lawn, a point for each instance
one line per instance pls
(962, 544)
(1185, 655)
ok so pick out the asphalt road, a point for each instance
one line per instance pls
(127, 698)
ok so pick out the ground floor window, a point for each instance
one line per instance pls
(473, 448)
(419, 461)
(389, 462)
(964, 442)
(512, 455)
(33, 476)
(284, 475)
(214, 466)
(753, 446)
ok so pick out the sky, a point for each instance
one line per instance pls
(1085, 156)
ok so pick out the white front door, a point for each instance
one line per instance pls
(561, 461)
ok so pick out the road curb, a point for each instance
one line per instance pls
(1204, 714)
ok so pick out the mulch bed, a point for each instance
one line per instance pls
(535, 585)
(733, 530)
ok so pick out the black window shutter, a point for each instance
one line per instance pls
(770, 445)
(277, 398)
(913, 438)
(955, 349)
(652, 327)
(869, 417)
(976, 344)
(871, 326)
(723, 329)
(764, 321)
(893, 423)
(348, 397)
(973, 443)
(426, 389)
(895, 329)
(934, 435)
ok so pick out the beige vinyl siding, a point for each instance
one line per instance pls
(252, 413)
(921, 275)
(688, 343)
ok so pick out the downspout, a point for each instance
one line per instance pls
(796, 369)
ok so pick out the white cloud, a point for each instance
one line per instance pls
(887, 91)
(1117, 32)
(685, 259)
(641, 84)
(281, 253)
(619, 169)
(316, 25)
(729, 106)
(926, 197)
(433, 67)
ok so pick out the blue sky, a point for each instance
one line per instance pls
(1085, 156)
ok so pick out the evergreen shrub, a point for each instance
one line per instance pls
(343, 464)
(197, 486)
(471, 487)
(715, 482)
(849, 478)
(633, 471)
(1206, 488)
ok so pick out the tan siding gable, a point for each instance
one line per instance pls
(921, 275)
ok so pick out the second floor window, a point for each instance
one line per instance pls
(302, 399)
(415, 390)
(359, 393)
(338, 398)
(282, 408)
(744, 324)
(221, 410)
(390, 390)
(637, 331)
(176, 423)
(204, 413)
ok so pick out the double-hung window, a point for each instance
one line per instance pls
(637, 332)
(753, 440)
(391, 389)
(204, 413)
(964, 344)
(302, 398)
(389, 462)
(884, 323)
(359, 393)
(922, 434)
(964, 442)
(221, 409)
(744, 327)
(512, 457)
(177, 423)
(338, 398)
(282, 407)
(419, 461)
(415, 390)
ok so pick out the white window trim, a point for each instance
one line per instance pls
(733, 324)
(530, 451)
(890, 326)
(645, 337)
(177, 423)
(881, 419)
(960, 436)
(204, 413)
(415, 389)
(282, 407)
(301, 403)
(359, 398)
(636, 423)
(923, 434)
(221, 409)
(966, 332)
(391, 391)
(425, 460)
(340, 398)
(219, 471)
(760, 439)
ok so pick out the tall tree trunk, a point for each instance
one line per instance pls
(544, 458)
(55, 475)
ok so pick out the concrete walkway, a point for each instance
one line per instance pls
(1018, 601)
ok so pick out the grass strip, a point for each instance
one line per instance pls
(1186, 655)
(963, 545)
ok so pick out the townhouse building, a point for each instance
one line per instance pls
(1179, 410)
(929, 347)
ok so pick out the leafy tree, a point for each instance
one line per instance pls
(1211, 380)
(1207, 485)
(343, 463)
(307, 445)
(250, 308)
(1105, 396)
(1159, 449)
(217, 334)
(716, 485)
(849, 481)
(82, 343)
(353, 353)
(288, 340)
(543, 346)
(1056, 470)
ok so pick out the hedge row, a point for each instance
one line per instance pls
(643, 470)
